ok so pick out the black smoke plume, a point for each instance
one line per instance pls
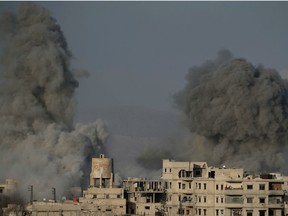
(237, 113)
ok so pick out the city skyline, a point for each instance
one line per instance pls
(130, 59)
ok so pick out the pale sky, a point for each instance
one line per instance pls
(138, 53)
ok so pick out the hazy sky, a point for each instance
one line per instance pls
(138, 53)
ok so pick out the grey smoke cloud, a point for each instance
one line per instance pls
(237, 114)
(39, 144)
(151, 158)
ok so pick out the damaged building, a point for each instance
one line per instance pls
(144, 197)
(193, 188)
(185, 188)
(7, 187)
(101, 198)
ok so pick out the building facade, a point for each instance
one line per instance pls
(102, 197)
(193, 188)
(7, 187)
(144, 197)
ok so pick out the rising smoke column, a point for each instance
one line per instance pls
(38, 142)
(237, 113)
(151, 158)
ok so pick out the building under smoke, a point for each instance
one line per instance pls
(237, 114)
(185, 188)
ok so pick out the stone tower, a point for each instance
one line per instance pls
(101, 175)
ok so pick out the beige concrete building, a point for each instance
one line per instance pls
(8, 186)
(193, 188)
(102, 196)
(144, 197)
(49, 208)
(7, 189)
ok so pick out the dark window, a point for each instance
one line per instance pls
(180, 211)
(217, 187)
(249, 213)
(271, 212)
(197, 172)
(249, 187)
(262, 187)
(249, 199)
(204, 186)
(181, 174)
(211, 174)
(199, 185)
(261, 212)
(147, 207)
(261, 200)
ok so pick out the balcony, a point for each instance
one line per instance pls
(234, 201)
(186, 178)
(275, 202)
(276, 192)
(187, 203)
(234, 190)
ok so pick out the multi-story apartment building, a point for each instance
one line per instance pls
(193, 188)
